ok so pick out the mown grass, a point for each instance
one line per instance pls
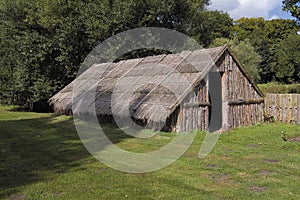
(43, 158)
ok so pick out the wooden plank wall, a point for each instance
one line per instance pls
(194, 112)
(245, 115)
(244, 105)
(236, 87)
(285, 108)
(235, 83)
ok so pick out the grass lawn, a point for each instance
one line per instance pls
(42, 158)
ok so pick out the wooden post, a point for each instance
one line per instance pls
(225, 120)
(298, 110)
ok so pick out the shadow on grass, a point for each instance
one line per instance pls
(18, 109)
(34, 150)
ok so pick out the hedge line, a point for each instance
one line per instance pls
(277, 88)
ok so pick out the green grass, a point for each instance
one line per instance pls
(42, 158)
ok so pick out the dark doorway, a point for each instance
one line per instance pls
(215, 98)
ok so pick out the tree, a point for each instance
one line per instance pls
(288, 55)
(44, 42)
(265, 37)
(245, 53)
(293, 6)
(207, 26)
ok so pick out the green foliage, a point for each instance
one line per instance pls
(43, 46)
(292, 6)
(245, 53)
(44, 42)
(207, 26)
(265, 37)
(288, 55)
(277, 88)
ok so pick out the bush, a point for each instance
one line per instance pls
(277, 88)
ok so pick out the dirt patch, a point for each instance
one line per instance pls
(295, 139)
(265, 173)
(243, 174)
(258, 189)
(57, 193)
(102, 169)
(252, 146)
(220, 178)
(18, 197)
(190, 155)
(272, 160)
(212, 166)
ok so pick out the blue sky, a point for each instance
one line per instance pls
(268, 9)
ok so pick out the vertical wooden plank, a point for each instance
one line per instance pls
(234, 116)
(255, 114)
(225, 120)
(294, 108)
(184, 120)
(224, 87)
(245, 96)
(230, 117)
(288, 108)
(206, 120)
(298, 109)
(247, 114)
(278, 103)
(202, 118)
(179, 120)
(198, 117)
(195, 118)
(267, 104)
(236, 120)
(270, 106)
(238, 115)
(283, 106)
(191, 119)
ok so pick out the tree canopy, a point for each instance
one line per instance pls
(246, 54)
(44, 42)
(293, 6)
(265, 36)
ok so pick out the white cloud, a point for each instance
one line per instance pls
(225, 5)
(246, 8)
(274, 17)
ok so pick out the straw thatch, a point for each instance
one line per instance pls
(152, 88)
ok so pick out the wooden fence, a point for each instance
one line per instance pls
(284, 108)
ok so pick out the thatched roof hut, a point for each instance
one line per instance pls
(175, 87)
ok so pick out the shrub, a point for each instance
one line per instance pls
(277, 88)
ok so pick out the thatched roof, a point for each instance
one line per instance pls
(168, 78)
